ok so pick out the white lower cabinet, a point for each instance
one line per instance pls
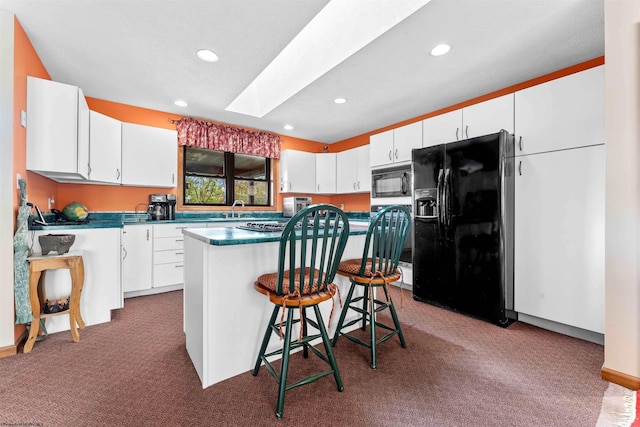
(168, 254)
(101, 292)
(559, 237)
(137, 257)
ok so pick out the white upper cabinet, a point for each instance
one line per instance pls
(57, 130)
(381, 147)
(149, 156)
(363, 169)
(559, 114)
(405, 139)
(297, 172)
(476, 120)
(353, 172)
(442, 129)
(488, 117)
(105, 154)
(395, 145)
(325, 173)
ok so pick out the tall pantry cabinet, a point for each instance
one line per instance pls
(559, 201)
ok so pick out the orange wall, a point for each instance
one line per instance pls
(119, 198)
(26, 63)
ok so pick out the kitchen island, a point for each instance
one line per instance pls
(224, 316)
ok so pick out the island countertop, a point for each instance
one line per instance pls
(225, 236)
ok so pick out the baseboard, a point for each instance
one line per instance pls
(561, 328)
(620, 378)
(153, 291)
(12, 350)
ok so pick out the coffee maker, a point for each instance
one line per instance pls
(158, 207)
(171, 206)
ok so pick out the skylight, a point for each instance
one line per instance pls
(342, 28)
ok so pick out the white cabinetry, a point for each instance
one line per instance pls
(105, 154)
(325, 173)
(488, 117)
(168, 254)
(137, 257)
(441, 129)
(563, 113)
(559, 237)
(297, 172)
(476, 120)
(353, 171)
(101, 292)
(394, 146)
(57, 130)
(149, 156)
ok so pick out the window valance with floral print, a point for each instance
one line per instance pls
(212, 136)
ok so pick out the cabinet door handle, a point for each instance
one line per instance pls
(389, 154)
(396, 154)
(125, 252)
(520, 143)
(179, 253)
(117, 173)
(147, 234)
(318, 187)
(179, 240)
(181, 227)
(358, 185)
(520, 168)
(89, 168)
(466, 131)
(173, 178)
(179, 266)
(354, 185)
(457, 129)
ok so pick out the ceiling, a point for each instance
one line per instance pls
(142, 53)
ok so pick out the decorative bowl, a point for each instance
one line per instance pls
(59, 243)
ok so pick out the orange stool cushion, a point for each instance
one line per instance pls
(351, 267)
(270, 281)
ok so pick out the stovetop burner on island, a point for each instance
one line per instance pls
(271, 226)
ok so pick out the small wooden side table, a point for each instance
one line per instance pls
(37, 267)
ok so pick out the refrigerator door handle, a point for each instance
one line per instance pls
(447, 212)
(439, 195)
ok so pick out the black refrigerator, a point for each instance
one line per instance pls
(463, 195)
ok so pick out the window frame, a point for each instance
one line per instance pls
(229, 178)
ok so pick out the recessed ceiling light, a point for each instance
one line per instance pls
(207, 55)
(441, 49)
(180, 103)
(340, 100)
(288, 127)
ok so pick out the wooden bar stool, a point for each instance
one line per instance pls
(376, 269)
(307, 265)
(37, 268)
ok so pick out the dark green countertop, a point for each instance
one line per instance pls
(226, 236)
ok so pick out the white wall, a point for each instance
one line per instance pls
(7, 187)
(622, 233)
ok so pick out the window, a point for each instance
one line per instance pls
(219, 178)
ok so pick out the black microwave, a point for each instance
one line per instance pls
(391, 182)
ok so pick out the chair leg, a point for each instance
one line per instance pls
(265, 340)
(365, 304)
(284, 367)
(327, 347)
(394, 316)
(372, 326)
(343, 314)
(303, 321)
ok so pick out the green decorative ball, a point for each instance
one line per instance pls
(75, 211)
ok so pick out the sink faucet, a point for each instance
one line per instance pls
(233, 206)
